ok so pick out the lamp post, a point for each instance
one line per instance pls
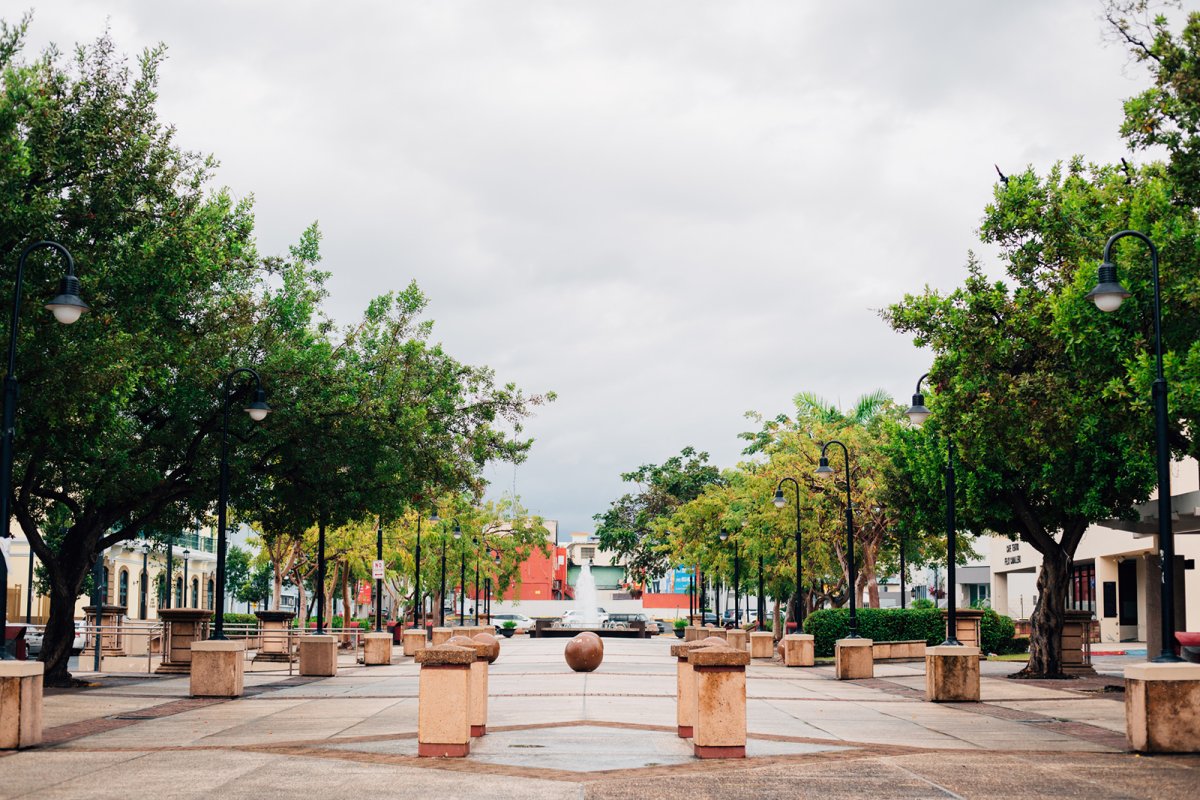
(462, 577)
(169, 583)
(66, 307)
(183, 603)
(737, 568)
(417, 597)
(824, 471)
(761, 609)
(917, 414)
(258, 410)
(144, 598)
(780, 501)
(442, 592)
(475, 540)
(1108, 296)
(379, 581)
(903, 570)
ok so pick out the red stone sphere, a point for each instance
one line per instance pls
(493, 645)
(584, 652)
(713, 641)
(592, 635)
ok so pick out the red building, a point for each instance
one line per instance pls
(543, 577)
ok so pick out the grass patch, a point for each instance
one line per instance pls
(1010, 657)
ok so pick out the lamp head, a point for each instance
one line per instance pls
(823, 468)
(259, 409)
(434, 516)
(67, 306)
(724, 535)
(780, 501)
(917, 413)
(457, 531)
(1109, 293)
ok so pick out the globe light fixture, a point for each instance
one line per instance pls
(1109, 294)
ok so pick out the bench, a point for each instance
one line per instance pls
(904, 650)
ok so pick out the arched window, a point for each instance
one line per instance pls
(211, 588)
(123, 587)
(195, 593)
(160, 589)
(104, 587)
(179, 598)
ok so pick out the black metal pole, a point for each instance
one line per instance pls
(951, 554)
(800, 599)
(29, 588)
(762, 597)
(903, 590)
(320, 585)
(476, 598)
(145, 599)
(852, 569)
(462, 584)
(170, 582)
(185, 579)
(737, 587)
(1158, 393)
(418, 622)
(379, 581)
(7, 426)
(98, 604)
(442, 593)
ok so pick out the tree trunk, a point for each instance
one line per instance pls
(777, 626)
(301, 605)
(1046, 622)
(59, 635)
(868, 579)
(346, 608)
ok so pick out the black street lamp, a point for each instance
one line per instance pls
(462, 578)
(737, 570)
(170, 581)
(258, 410)
(476, 541)
(66, 307)
(417, 597)
(143, 598)
(903, 571)
(442, 592)
(1108, 296)
(761, 609)
(824, 471)
(183, 603)
(917, 414)
(780, 501)
(379, 581)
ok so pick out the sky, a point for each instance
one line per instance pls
(669, 213)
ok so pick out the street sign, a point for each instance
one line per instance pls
(377, 570)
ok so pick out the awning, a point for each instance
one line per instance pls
(1185, 517)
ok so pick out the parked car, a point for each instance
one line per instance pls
(624, 620)
(80, 640)
(573, 617)
(524, 623)
(33, 640)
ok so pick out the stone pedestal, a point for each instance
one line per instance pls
(112, 638)
(477, 707)
(218, 668)
(1162, 707)
(274, 628)
(184, 627)
(762, 644)
(377, 649)
(443, 702)
(414, 641)
(737, 639)
(720, 633)
(685, 687)
(20, 704)
(799, 650)
(968, 622)
(853, 659)
(720, 724)
(318, 655)
(952, 674)
(692, 633)
(441, 636)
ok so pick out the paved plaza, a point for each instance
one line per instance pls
(557, 734)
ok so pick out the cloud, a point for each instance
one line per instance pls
(669, 212)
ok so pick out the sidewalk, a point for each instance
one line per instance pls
(554, 733)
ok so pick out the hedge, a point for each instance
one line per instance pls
(240, 619)
(900, 624)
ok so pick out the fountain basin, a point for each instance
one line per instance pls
(546, 629)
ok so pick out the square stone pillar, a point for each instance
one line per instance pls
(762, 644)
(799, 650)
(275, 631)
(20, 704)
(720, 725)
(442, 635)
(853, 659)
(952, 674)
(685, 687)
(218, 668)
(318, 655)
(444, 701)
(414, 641)
(478, 705)
(737, 638)
(692, 633)
(720, 633)
(1162, 707)
(377, 649)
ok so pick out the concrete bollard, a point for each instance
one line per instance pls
(477, 707)
(1162, 707)
(20, 704)
(853, 659)
(685, 686)
(318, 655)
(692, 633)
(762, 644)
(737, 639)
(377, 649)
(799, 650)
(444, 701)
(720, 725)
(218, 668)
(414, 641)
(441, 636)
(952, 674)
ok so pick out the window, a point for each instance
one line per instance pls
(160, 589)
(979, 593)
(1083, 588)
(211, 586)
(142, 598)
(104, 588)
(123, 587)
(587, 553)
(179, 598)
(195, 593)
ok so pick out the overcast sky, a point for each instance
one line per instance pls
(669, 213)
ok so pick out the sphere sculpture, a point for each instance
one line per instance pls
(584, 652)
(493, 645)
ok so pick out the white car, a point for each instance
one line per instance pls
(523, 622)
(574, 618)
(80, 640)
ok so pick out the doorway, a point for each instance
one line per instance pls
(1127, 600)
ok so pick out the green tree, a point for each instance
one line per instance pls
(237, 570)
(631, 526)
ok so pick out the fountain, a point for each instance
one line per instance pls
(588, 616)
(585, 598)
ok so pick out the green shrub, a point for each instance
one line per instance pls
(881, 624)
(996, 633)
(509, 623)
(680, 623)
(922, 602)
(1017, 644)
(240, 619)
